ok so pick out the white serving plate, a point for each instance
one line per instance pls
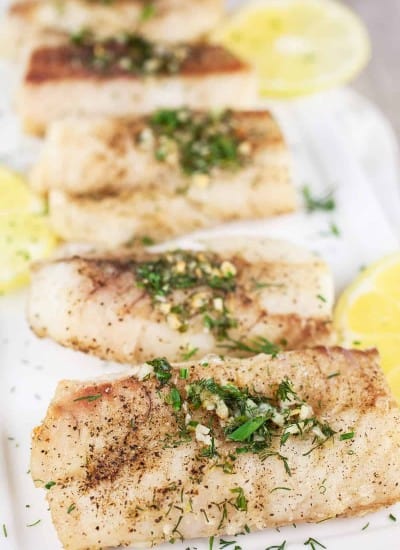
(31, 368)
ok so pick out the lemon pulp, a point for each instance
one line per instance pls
(297, 46)
(368, 315)
(25, 235)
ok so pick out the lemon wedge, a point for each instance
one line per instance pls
(25, 235)
(368, 315)
(297, 46)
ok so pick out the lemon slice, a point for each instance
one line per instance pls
(25, 235)
(368, 315)
(15, 196)
(297, 46)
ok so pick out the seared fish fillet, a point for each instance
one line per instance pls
(129, 467)
(111, 180)
(109, 155)
(129, 76)
(137, 306)
(164, 20)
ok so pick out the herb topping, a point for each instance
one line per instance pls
(127, 52)
(198, 141)
(186, 271)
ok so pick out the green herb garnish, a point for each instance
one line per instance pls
(277, 547)
(312, 204)
(162, 370)
(344, 437)
(89, 398)
(148, 12)
(241, 501)
(35, 523)
(71, 508)
(189, 354)
(313, 543)
(174, 399)
(5, 533)
(203, 141)
(259, 344)
(183, 374)
(333, 375)
(50, 484)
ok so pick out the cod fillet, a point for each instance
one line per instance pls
(226, 298)
(106, 156)
(30, 21)
(160, 454)
(128, 75)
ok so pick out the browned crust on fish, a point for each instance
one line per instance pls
(66, 62)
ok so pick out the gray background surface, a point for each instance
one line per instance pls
(380, 81)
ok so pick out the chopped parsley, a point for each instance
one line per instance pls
(89, 398)
(147, 241)
(241, 501)
(35, 523)
(333, 375)
(189, 354)
(280, 489)
(127, 52)
(227, 543)
(277, 546)
(313, 543)
(183, 374)
(174, 399)
(204, 280)
(50, 484)
(199, 141)
(5, 533)
(392, 517)
(365, 527)
(148, 12)
(253, 421)
(71, 508)
(344, 437)
(162, 370)
(326, 202)
(259, 344)
(335, 231)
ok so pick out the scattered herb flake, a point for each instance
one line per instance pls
(392, 517)
(322, 298)
(365, 527)
(277, 546)
(35, 523)
(241, 501)
(183, 374)
(71, 508)
(344, 437)
(50, 484)
(280, 489)
(334, 229)
(312, 204)
(189, 354)
(148, 12)
(5, 533)
(89, 398)
(257, 345)
(313, 543)
(333, 375)
(162, 370)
